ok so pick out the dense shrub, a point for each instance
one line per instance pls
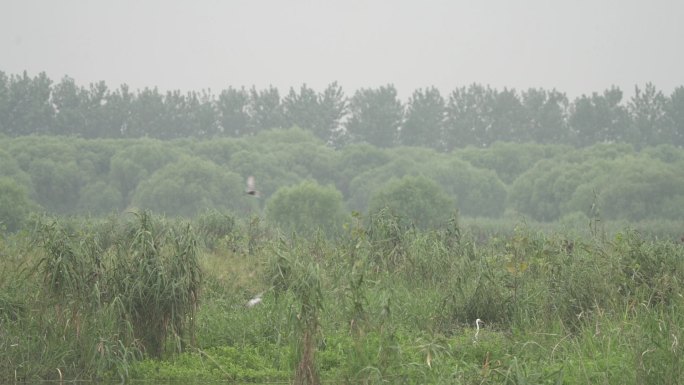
(14, 204)
(307, 208)
(417, 200)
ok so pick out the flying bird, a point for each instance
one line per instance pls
(251, 187)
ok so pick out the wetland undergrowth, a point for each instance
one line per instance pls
(143, 297)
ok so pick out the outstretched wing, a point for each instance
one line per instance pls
(251, 184)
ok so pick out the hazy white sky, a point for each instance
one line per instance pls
(575, 46)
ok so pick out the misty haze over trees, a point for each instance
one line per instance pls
(473, 115)
(482, 152)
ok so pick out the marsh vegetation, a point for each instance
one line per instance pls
(318, 238)
(141, 296)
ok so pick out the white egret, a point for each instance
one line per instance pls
(257, 299)
(254, 301)
(477, 326)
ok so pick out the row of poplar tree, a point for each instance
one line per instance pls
(474, 115)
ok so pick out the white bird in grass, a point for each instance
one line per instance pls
(477, 325)
(257, 298)
(255, 301)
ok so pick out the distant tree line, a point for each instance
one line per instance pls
(305, 184)
(475, 115)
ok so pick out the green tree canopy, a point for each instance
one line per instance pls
(265, 110)
(475, 115)
(52, 165)
(4, 104)
(424, 121)
(232, 106)
(479, 192)
(509, 160)
(137, 162)
(319, 113)
(364, 185)
(191, 185)
(68, 100)
(301, 109)
(356, 159)
(468, 117)
(642, 188)
(29, 108)
(544, 191)
(675, 112)
(100, 198)
(376, 115)
(15, 204)
(10, 168)
(148, 117)
(114, 116)
(417, 199)
(651, 124)
(546, 116)
(57, 185)
(298, 151)
(624, 185)
(508, 119)
(334, 106)
(306, 208)
(599, 118)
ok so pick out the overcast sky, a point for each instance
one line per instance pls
(575, 46)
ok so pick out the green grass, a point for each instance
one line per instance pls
(148, 298)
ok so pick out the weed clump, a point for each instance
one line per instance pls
(118, 299)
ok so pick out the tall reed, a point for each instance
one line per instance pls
(296, 272)
(112, 291)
